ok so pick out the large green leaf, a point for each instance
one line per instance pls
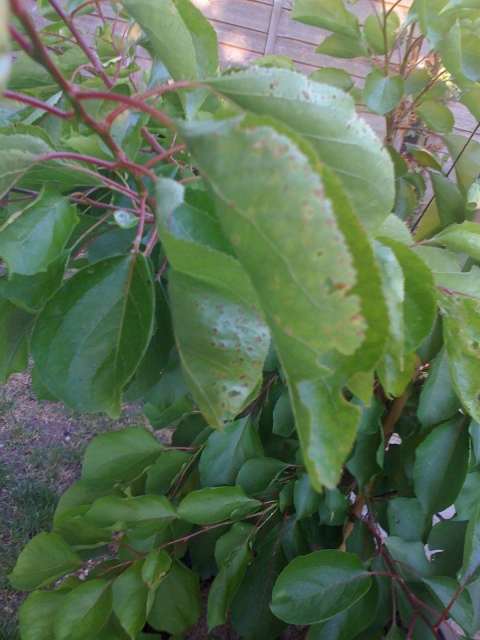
(46, 558)
(326, 117)
(222, 359)
(318, 586)
(119, 456)
(37, 614)
(465, 154)
(329, 14)
(308, 295)
(441, 464)
(33, 238)
(84, 611)
(226, 451)
(382, 93)
(445, 589)
(91, 335)
(380, 30)
(177, 601)
(461, 331)
(179, 34)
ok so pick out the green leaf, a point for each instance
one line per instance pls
(118, 457)
(461, 332)
(318, 586)
(179, 34)
(463, 237)
(469, 497)
(417, 80)
(438, 400)
(91, 335)
(258, 475)
(177, 601)
(339, 46)
(251, 614)
(349, 623)
(380, 31)
(411, 558)
(163, 473)
(130, 599)
(18, 155)
(231, 573)
(407, 519)
(471, 100)
(471, 554)
(465, 154)
(459, 51)
(46, 558)
(274, 162)
(446, 540)
(441, 464)
(333, 508)
(305, 499)
(155, 567)
(334, 77)
(446, 590)
(330, 15)
(33, 238)
(432, 24)
(147, 514)
(450, 202)
(215, 504)
(420, 303)
(455, 5)
(346, 145)
(84, 611)
(15, 324)
(382, 93)
(226, 451)
(37, 614)
(436, 116)
(283, 418)
(31, 292)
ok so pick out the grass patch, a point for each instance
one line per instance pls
(41, 449)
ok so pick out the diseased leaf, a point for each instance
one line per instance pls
(91, 335)
(222, 360)
(308, 283)
(46, 558)
(345, 143)
(318, 586)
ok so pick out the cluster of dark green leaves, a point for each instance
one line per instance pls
(224, 248)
